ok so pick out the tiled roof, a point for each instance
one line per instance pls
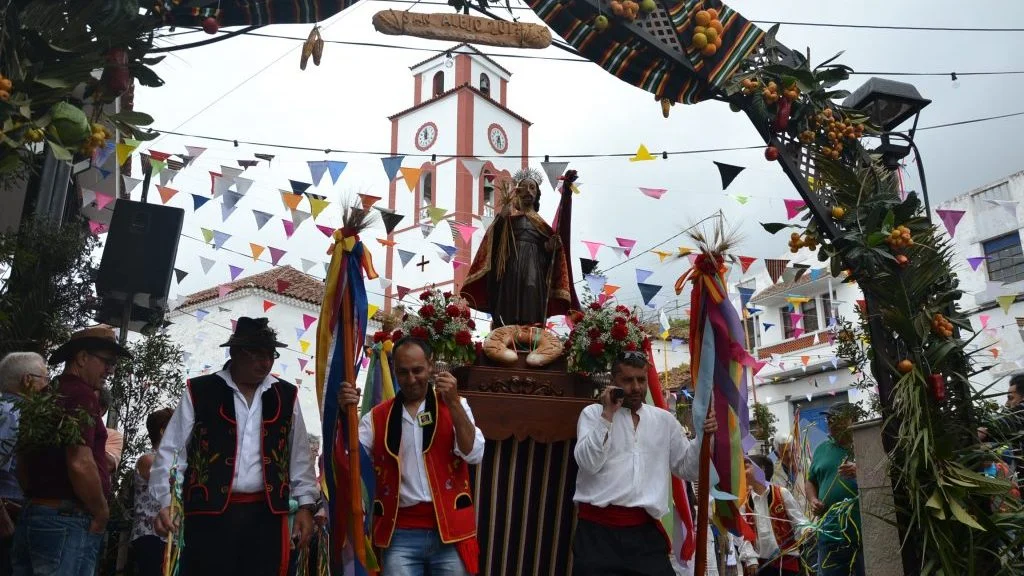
(301, 286)
(463, 45)
(783, 287)
(448, 93)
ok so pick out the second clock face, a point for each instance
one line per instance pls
(497, 138)
(426, 136)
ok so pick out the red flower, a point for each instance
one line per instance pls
(594, 333)
(576, 316)
(397, 335)
(463, 338)
(453, 311)
(405, 317)
(622, 309)
(630, 346)
(439, 326)
(380, 336)
(634, 321)
(425, 295)
(471, 324)
(620, 321)
(447, 295)
(427, 311)
(465, 313)
(419, 332)
(619, 331)
(596, 348)
(595, 306)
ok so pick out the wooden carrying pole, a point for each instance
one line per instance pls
(703, 492)
(355, 528)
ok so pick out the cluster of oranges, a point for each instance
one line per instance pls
(941, 326)
(899, 238)
(707, 34)
(98, 138)
(6, 86)
(796, 242)
(835, 130)
(627, 9)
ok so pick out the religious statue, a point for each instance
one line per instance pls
(520, 275)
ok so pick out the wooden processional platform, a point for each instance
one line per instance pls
(525, 484)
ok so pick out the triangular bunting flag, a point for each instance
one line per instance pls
(130, 184)
(595, 283)
(592, 247)
(276, 254)
(798, 332)
(793, 207)
(642, 275)
(661, 254)
(472, 165)
(326, 230)
(655, 193)
(261, 218)
(648, 291)
(166, 193)
(975, 261)
(587, 265)
(368, 201)
(627, 244)
(289, 227)
(206, 263)
(554, 170)
(449, 250)
(335, 168)
(984, 318)
(200, 314)
(745, 262)
(103, 200)
(225, 212)
(179, 275)
(307, 265)
(97, 228)
(386, 242)
(775, 268)
(291, 201)
(219, 238)
(124, 151)
(256, 250)
(307, 320)
(384, 282)
(304, 345)
(411, 177)
(618, 250)
(465, 231)
(390, 220)
(317, 169)
(242, 184)
(402, 291)
(299, 187)
(728, 172)
(642, 154)
(198, 201)
(230, 199)
(426, 228)
(195, 151)
(267, 305)
(950, 218)
(767, 326)
(235, 271)
(157, 166)
(300, 216)
(1006, 301)
(745, 295)
(207, 235)
(742, 199)
(610, 289)
(405, 256)
(391, 165)
(267, 157)
(436, 214)
(167, 176)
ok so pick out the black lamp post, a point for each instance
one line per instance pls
(889, 104)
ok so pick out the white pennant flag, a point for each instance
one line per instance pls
(130, 184)
(298, 216)
(242, 184)
(472, 165)
(166, 175)
(554, 170)
(307, 265)
(229, 173)
(206, 263)
(88, 197)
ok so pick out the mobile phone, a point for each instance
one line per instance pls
(618, 394)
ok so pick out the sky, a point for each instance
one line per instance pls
(250, 88)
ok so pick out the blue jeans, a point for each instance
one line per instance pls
(49, 542)
(413, 551)
(839, 559)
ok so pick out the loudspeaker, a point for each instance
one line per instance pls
(138, 258)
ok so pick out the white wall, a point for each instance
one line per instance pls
(486, 113)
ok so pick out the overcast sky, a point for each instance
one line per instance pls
(251, 88)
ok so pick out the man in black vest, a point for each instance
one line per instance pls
(241, 433)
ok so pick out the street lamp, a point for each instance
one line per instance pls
(888, 104)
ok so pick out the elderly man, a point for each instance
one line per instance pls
(241, 433)
(20, 373)
(422, 443)
(625, 452)
(66, 487)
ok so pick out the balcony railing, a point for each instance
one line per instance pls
(790, 346)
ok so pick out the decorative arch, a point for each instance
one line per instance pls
(489, 169)
(426, 186)
(438, 84)
(485, 84)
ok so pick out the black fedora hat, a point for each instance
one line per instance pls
(254, 333)
(99, 337)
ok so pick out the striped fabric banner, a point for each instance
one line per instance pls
(628, 58)
(255, 12)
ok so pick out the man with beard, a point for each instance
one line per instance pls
(422, 443)
(626, 450)
(519, 274)
(241, 433)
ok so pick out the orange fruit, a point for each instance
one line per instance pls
(700, 41)
(717, 25)
(712, 13)
(709, 50)
(700, 30)
(702, 18)
(905, 366)
(711, 34)
(718, 42)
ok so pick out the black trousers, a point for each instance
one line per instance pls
(247, 539)
(634, 551)
(146, 556)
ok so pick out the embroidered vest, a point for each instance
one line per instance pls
(782, 527)
(214, 444)
(447, 474)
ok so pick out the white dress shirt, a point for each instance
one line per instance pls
(248, 447)
(627, 466)
(767, 546)
(414, 487)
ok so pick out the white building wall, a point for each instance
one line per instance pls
(480, 66)
(486, 113)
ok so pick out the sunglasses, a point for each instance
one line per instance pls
(109, 362)
(633, 355)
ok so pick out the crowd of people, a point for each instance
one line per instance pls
(237, 450)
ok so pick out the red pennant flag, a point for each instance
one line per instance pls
(403, 292)
(159, 156)
(267, 305)
(368, 201)
(166, 193)
(745, 262)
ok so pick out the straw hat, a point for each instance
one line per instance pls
(99, 337)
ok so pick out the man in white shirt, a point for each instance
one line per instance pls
(422, 443)
(778, 520)
(626, 451)
(241, 433)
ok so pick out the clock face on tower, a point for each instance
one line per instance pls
(426, 136)
(498, 139)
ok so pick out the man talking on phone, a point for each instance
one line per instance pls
(422, 442)
(626, 451)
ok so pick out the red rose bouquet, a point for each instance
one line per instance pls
(600, 334)
(444, 321)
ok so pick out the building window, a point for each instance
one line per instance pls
(485, 84)
(488, 186)
(809, 323)
(1004, 259)
(438, 83)
(751, 335)
(426, 191)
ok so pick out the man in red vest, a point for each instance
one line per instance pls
(777, 520)
(241, 434)
(422, 443)
(626, 451)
